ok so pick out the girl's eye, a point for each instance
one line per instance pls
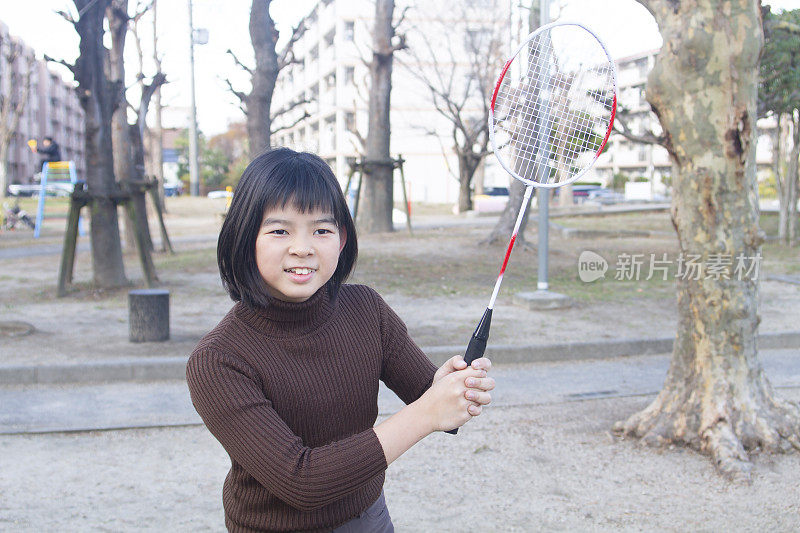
(278, 232)
(323, 231)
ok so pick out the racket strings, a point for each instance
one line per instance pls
(554, 106)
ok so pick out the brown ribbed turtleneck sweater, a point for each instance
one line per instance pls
(291, 393)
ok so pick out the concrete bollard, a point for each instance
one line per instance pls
(148, 315)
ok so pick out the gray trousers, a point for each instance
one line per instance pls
(375, 519)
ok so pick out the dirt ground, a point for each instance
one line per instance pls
(577, 478)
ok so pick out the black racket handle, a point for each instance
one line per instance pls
(477, 345)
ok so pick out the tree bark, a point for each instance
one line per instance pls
(264, 36)
(376, 215)
(98, 98)
(157, 133)
(716, 398)
(467, 165)
(117, 16)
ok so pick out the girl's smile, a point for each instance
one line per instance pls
(296, 252)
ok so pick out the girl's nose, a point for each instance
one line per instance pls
(301, 248)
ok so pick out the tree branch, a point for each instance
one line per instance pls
(647, 138)
(292, 125)
(141, 9)
(291, 106)
(236, 59)
(239, 94)
(61, 62)
(401, 18)
(66, 16)
(287, 56)
(147, 93)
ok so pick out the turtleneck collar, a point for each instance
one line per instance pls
(288, 319)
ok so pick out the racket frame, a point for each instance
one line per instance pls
(612, 70)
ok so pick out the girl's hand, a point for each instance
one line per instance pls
(457, 363)
(445, 405)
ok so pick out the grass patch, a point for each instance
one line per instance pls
(191, 261)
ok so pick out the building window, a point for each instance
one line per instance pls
(477, 39)
(349, 30)
(313, 54)
(349, 75)
(330, 81)
(331, 35)
(350, 121)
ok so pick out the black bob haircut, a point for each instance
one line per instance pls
(273, 179)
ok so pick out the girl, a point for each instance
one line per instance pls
(288, 380)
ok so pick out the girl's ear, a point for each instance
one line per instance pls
(342, 239)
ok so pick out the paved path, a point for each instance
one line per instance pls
(48, 408)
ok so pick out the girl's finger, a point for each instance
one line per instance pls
(482, 363)
(482, 398)
(485, 384)
(474, 410)
(457, 362)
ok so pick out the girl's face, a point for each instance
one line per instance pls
(297, 253)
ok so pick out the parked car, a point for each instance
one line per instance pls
(220, 194)
(492, 200)
(33, 189)
(605, 196)
(173, 189)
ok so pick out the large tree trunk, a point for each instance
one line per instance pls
(716, 397)
(376, 214)
(467, 165)
(98, 98)
(264, 36)
(120, 139)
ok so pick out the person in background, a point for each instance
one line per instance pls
(48, 149)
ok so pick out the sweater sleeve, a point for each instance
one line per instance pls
(406, 368)
(227, 395)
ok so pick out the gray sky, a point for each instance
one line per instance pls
(624, 25)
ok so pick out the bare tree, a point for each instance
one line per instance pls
(516, 189)
(14, 96)
(459, 65)
(716, 398)
(98, 98)
(128, 139)
(378, 170)
(779, 97)
(257, 104)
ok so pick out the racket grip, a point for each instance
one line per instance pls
(477, 344)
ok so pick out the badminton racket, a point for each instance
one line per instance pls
(550, 117)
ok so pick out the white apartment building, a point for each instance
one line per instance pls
(52, 110)
(334, 74)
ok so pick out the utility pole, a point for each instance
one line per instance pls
(194, 170)
(543, 193)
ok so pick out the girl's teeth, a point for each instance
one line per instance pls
(301, 271)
